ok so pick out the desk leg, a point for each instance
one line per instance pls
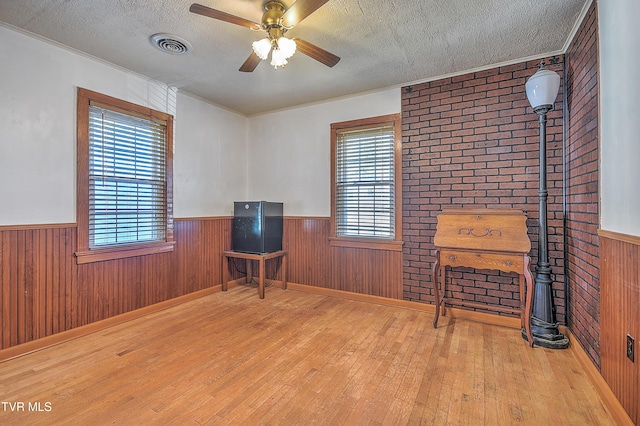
(248, 267)
(522, 301)
(529, 301)
(225, 272)
(436, 291)
(261, 279)
(284, 272)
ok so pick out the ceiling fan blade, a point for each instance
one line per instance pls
(313, 51)
(300, 10)
(223, 16)
(250, 64)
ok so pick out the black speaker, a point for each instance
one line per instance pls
(257, 226)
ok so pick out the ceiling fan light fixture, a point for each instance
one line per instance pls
(287, 47)
(276, 20)
(262, 48)
(278, 59)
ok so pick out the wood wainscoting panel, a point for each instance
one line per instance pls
(117, 286)
(199, 246)
(43, 291)
(314, 262)
(37, 282)
(113, 287)
(306, 240)
(619, 307)
(367, 271)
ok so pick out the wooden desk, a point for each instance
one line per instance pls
(261, 258)
(493, 239)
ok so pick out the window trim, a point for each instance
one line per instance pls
(84, 253)
(394, 244)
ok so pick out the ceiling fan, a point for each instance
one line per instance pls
(276, 21)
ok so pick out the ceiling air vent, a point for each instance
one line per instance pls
(170, 43)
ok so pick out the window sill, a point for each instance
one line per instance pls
(366, 243)
(112, 253)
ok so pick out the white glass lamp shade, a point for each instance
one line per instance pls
(262, 48)
(278, 59)
(287, 47)
(542, 88)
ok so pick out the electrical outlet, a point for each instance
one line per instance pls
(630, 348)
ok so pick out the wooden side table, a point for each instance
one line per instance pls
(493, 239)
(261, 258)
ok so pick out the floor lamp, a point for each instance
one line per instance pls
(542, 90)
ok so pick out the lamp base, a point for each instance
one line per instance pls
(549, 341)
(546, 335)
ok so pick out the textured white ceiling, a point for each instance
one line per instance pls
(382, 43)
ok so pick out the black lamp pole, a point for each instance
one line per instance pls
(543, 324)
(542, 90)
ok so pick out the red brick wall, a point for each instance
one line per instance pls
(582, 157)
(472, 141)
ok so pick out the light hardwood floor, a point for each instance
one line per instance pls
(296, 358)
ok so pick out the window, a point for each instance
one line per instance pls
(366, 181)
(124, 179)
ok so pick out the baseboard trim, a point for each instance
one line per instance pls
(608, 397)
(65, 336)
(457, 313)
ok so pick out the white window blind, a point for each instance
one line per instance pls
(127, 179)
(365, 183)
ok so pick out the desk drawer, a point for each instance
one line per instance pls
(494, 261)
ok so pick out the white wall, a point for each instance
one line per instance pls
(289, 151)
(210, 166)
(38, 83)
(620, 115)
(219, 156)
